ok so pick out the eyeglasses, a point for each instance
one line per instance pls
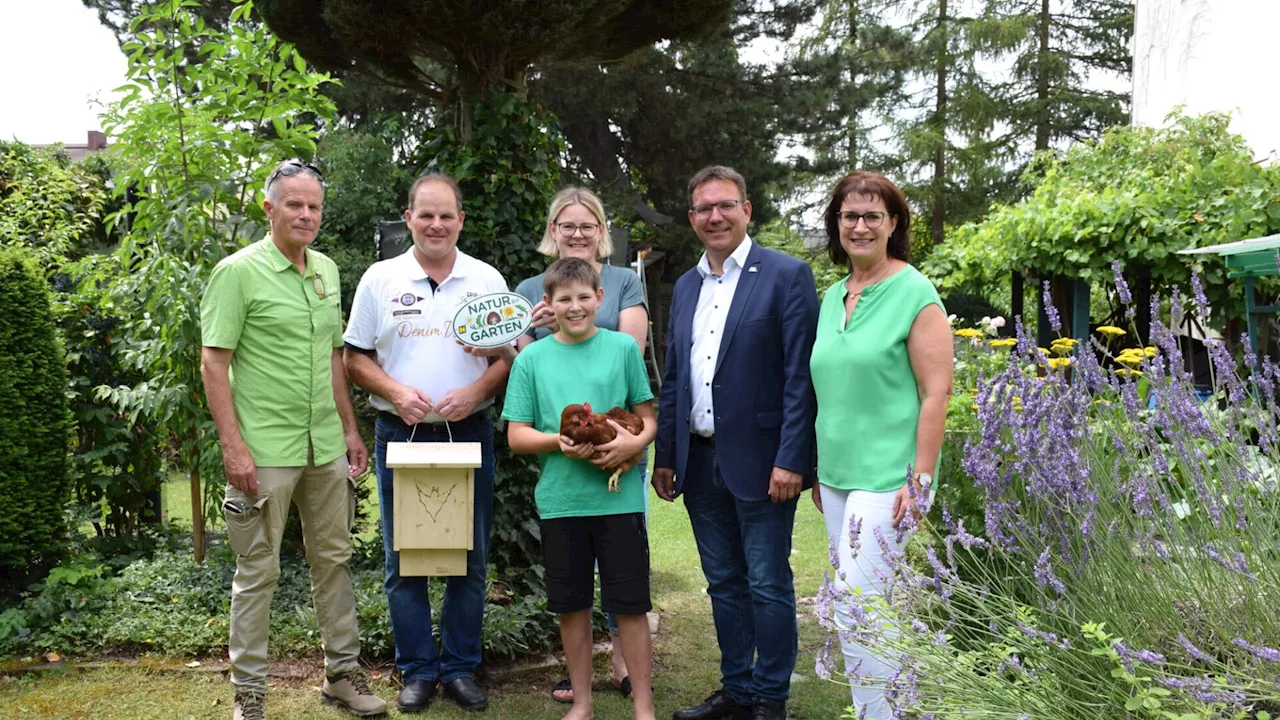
(873, 219)
(724, 206)
(588, 230)
(289, 168)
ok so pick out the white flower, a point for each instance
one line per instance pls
(1182, 509)
(951, 319)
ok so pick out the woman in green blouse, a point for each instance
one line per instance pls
(881, 368)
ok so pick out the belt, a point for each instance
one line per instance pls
(394, 420)
(708, 440)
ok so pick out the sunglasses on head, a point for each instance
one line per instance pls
(289, 168)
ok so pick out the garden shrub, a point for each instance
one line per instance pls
(167, 603)
(116, 467)
(1127, 566)
(34, 425)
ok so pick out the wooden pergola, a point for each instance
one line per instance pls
(1248, 259)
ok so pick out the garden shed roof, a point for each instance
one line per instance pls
(1270, 242)
(1248, 259)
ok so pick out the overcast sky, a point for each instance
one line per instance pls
(55, 58)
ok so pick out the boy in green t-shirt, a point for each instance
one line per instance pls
(582, 522)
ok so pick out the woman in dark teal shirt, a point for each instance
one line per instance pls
(881, 369)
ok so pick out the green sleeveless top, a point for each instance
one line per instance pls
(868, 404)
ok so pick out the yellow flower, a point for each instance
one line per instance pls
(1129, 359)
(1003, 343)
(973, 406)
(1069, 342)
(1111, 330)
(968, 333)
(1128, 372)
(1059, 362)
(1150, 351)
(508, 311)
(1043, 351)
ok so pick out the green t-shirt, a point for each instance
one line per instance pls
(283, 327)
(868, 403)
(622, 290)
(607, 371)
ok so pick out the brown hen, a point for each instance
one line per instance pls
(580, 425)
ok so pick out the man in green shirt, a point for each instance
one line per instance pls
(272, 369)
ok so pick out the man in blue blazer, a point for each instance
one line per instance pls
(735, 436)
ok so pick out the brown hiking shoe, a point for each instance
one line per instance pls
(250, 706)
(351, 692)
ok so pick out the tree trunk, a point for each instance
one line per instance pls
(938, 221)
(851, 122)
(1042, 79)
(197, 516)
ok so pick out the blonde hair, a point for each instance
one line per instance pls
(587, 199)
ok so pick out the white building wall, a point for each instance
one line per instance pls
(1210, 55)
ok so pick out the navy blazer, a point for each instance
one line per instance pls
(764, 403)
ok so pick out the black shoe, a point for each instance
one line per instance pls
(466, 693)
(766, 710)
(719, 705)
(416, 696)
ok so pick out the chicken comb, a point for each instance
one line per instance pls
(587, 407)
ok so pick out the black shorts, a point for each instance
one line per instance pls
(572, 546)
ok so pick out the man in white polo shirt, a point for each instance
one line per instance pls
(400, 346)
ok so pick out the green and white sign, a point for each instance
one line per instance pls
(492, 320)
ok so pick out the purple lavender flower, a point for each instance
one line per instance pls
(823, 663)
(1192, 651)
(1122, 287)
(1052, 312)
(1045, 577)
(1258, 651)
(1204, 690)
(1147, 656)
(1197, 292)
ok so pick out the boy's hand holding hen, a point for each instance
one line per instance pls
(600, 438)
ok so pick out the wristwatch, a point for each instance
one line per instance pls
(925, 480)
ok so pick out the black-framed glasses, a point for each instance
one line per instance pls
(289, 168)
(724, 206)
(873, 219)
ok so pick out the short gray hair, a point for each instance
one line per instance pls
(718, 172)
(436, 177)
(290, 168)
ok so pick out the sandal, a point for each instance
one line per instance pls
(623, 687)
(563, 691)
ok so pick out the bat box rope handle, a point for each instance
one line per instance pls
(446, 429)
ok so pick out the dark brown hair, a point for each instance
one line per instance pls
(568, 271)
(873, 185)
(718, 172)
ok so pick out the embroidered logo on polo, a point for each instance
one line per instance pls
(407, 299)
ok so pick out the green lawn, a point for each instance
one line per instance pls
(685, 655)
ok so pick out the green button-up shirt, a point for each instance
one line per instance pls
(283, 327)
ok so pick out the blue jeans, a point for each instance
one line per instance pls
(745, 548)
(462, 614)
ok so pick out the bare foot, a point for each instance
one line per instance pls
(579, 712)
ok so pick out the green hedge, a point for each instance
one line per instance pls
(34, 425)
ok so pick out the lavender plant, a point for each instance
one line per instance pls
(1129, 566)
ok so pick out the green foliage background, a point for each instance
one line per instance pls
(1137, 195)
(35, 425)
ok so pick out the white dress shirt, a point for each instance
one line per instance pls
(708, 330)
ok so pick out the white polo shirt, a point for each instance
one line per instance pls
(409, 327)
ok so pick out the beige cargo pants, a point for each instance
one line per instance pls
(325, 497)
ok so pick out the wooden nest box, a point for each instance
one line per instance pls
(434, 486)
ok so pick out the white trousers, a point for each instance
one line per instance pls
(873, 509)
